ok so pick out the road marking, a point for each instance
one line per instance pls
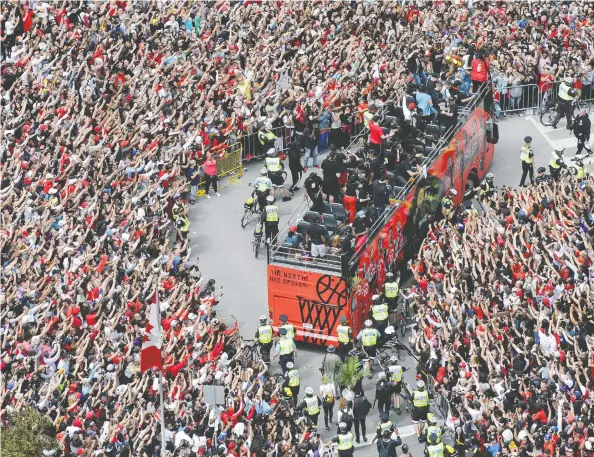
(540, 128)
(403, 432)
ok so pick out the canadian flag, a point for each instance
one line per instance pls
(150, 356)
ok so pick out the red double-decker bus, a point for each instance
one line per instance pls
(313, 295)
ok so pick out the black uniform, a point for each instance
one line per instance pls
(313, 187)
(581, 130)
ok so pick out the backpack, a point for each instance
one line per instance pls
(383, 448)
(382, 389)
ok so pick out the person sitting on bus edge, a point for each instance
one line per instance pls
(292, 381)
(345, 338)
(581, 130)
(284, 321)
(275, 168)
(447, 204)
(420, 408)
(379, 313)
(262, 186)
(385, 425)
(269, 218)
(285, 349)
(390, 291)
(264, 337)
(396, 371)
(344, 439)
(487, 188)
(542, 177)
(368, 337)
(311, 406)
(556, 163)
(294, 239)
(566, 96)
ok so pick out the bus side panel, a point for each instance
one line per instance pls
(386, 249)
(313, 302)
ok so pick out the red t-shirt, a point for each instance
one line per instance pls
(375, 133)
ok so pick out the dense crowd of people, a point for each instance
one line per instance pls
(114, 112)
(506, 320)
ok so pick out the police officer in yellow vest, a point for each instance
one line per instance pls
(289, 327)
(581, 172)
(285, 349)
(390, 292)
(556, 163)
(264, 337)
(487, 187)
(420, 408)
(292, 381)
(383, 426)
(396, 370)
(266, 137)
(447, 204)
(345, 338)
(344, 441)
(275, 167)
(527, 158)
(435, 450)
(433, 430)
(311, 406)
(182, 224)
(566, 96)
(379, 311)
(369, 337)
(269, 218)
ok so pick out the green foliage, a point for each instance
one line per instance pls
(27, 434)
(350, 373)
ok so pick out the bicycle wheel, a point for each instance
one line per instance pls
(548, 116)
(403, 326)
(256, 247)
(247, 217)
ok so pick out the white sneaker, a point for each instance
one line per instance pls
(208, 196)
(217, 194)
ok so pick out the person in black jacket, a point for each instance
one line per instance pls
(581, 130)
(313, 187)
(295, 165)
(381, 194)
(361, 407)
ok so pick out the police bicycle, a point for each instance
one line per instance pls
(257, 242)
(550, 111)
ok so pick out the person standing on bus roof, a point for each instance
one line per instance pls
(345, 338)
(527, 158)
(289, 327)
(285, 349)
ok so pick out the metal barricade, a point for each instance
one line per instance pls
(519, 99)
(230, 161)
(253, 148)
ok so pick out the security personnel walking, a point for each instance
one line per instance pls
(384, 426)
(292, 381)
(556, 163)
(433, 430)
(435, 450)
(487, 187)
(527, 158)
(581, 173)
(581, 130)
(345, 338)
(420, 408)
(566, 96)
(396, 371)
(275, 168)
(266, 137)
(289, 327)
(379, 311)
(344, 441)
(541, 175)
(285, 349)
(269, 218)
(368, 338)
(311, 405)
(264, 337)
(390, 292)
(447, 204)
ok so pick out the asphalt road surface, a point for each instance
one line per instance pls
(225, 253)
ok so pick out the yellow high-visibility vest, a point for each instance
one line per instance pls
(436, 450)
(265, 334)
(273, 164)
(420, 399)
(311, 405)
(486, 188)
(345, 442)
(380, 312)
(290, 330)
(369, 337)
(564, 92)
(581, 173)
(391, 289)
(186, 226)
(286, 346)
(265, 136)
(343, 333)
(525, 154)
(293, 378)
(271, 213)
(397, 374)
(383, 426)
(553, 162)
